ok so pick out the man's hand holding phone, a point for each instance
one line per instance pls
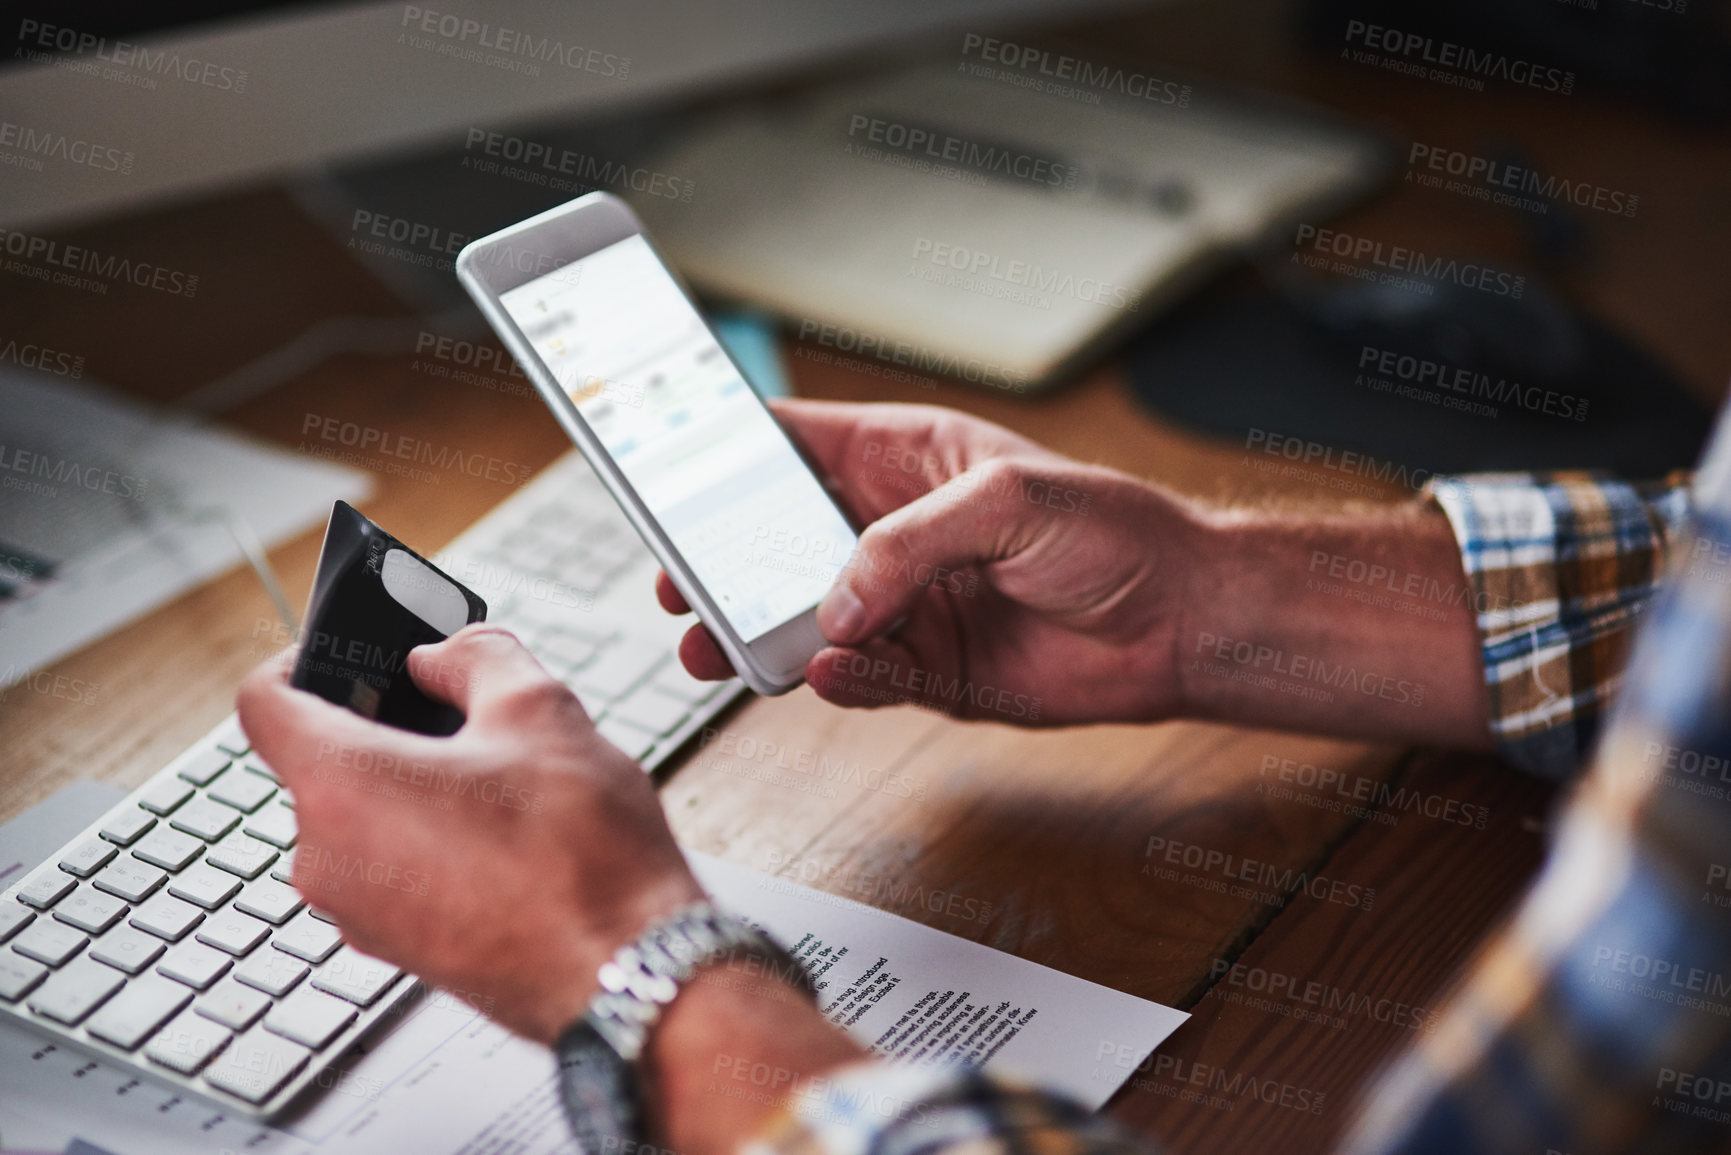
(1030, 588)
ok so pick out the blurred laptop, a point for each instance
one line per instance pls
(996, 224)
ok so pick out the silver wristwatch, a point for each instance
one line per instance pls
(599, 1053)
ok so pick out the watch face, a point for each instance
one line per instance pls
(600, 1089)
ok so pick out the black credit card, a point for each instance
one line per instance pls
(374, 599)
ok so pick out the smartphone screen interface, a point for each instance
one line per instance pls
(705, 456)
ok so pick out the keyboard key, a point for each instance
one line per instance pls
(88, 858)
(650, 710)
(195, 964)
(18, 976)
(169, 849)
(233, 932)
(672, 679)
(204, 766)
(75, 991)
(166, 796)
(284, 870)
(272, 972)
(167, 917)
(256, 1065)
(14, 917)
(242, 854)
(234, 1006)
(131, 879)
(564, 648)
(205, 885)
(354, 976)
(270, 900)
(621, 665)
(258, 766)
(630, 739)
(205, 818)
(187, 1043)
(309, 1018)
(128, 949)
(90, 910)
(275, 824)
(232, 739)
(242, 789)
(124, 826)
(47, 887)
(308, 938)
(50, 942)
(138, 1011)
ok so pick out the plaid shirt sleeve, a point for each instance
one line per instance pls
(879, 1108)
(1560, 567)
(1600, 1018)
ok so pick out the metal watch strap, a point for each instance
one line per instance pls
(598, 1053)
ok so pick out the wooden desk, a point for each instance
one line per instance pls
(1038, 844)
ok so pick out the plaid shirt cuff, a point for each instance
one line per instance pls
(1561, 566)
(885, 1108)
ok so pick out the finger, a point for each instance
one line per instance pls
(292, 729)
(477, 669)
(668, 594)
(702, 657)
(880, 456)
(880, 673)
(971, 520)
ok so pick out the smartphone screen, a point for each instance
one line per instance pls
(704, 455)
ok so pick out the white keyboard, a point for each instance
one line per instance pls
(165, 938)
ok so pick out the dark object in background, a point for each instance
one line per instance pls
(1675, 52)
(1455, 382)
(373, 601)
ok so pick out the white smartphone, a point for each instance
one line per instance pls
(632, 371)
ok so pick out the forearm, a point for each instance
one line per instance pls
(1361, 625)
(728, 1051)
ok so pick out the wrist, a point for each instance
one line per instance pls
(730, 1050)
